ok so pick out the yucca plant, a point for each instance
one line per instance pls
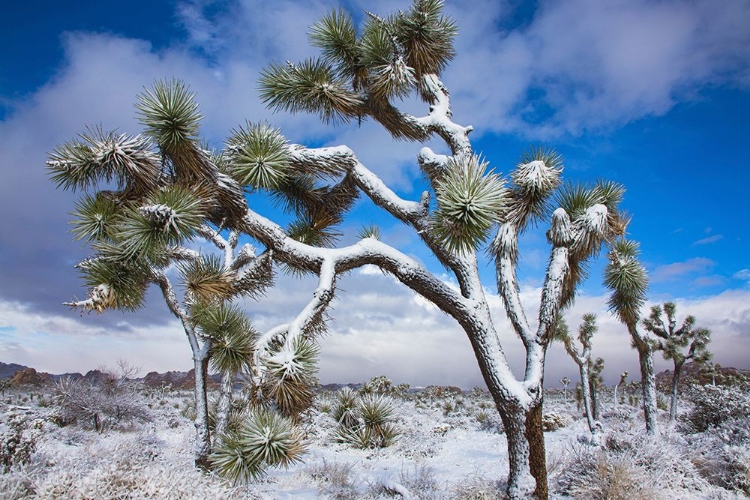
(265, 439)
(364, 421)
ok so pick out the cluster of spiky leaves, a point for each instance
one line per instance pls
(626, 277)
(534, 180)
(358, 74)
(364, 421)
(128, 162)
(289, 376)
(256, 156)
(265, 439)
(470, 201)
(230, 332)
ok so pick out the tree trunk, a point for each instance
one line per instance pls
(202, 445)
(594, 400)
(225, 402)
(648, 384)
(526, 451)
(587, 403)
(673, 402)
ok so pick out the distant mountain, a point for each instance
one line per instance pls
(8, 370)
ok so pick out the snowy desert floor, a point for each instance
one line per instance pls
(450, 447)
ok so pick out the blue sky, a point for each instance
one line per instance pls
(652, 94)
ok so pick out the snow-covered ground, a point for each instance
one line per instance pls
(449, 447)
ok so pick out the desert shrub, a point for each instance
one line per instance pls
(99, 406)
(475, 488)
(335, 480)
(421, 482)
(713, 405)
(265, 439)
(366, 421)
(722, 454)
(628, 466)
(553, 421)
(19, 434)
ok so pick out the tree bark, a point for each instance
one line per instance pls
(648, 385)
(202, 445)
(587, 403)
(526, 451)
(673, 402)
(224, 405)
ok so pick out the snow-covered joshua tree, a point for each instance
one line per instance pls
(583, 359)
(627, 279)
(167, 191)
(673, 341)
(362, 74)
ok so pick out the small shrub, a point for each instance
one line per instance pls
(365, 422)
(714, 405)
(334, 480)
(553, 421)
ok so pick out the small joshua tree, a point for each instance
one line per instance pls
(583, 360)
(627, 279)
(622, 382)
(673, 341)
(565, 382)
(595, 383)
(364, 421)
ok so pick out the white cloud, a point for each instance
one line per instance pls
(676, 270)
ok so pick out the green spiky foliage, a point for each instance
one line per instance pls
(266, 439)
(626, 277)
(129, 162)
(366, 421)
(533, 182)
(358, 74)
(470, 201)
(94, 218)
(592, 227)
(371, 231)
(231, 334)
(169, 216)
(290, 376)
(115, 283)
(206, 280)
(256, 156)
(170, 114)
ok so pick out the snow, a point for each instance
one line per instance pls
(444, 451)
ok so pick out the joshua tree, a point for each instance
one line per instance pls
(673, 341)
(168, 191)
(565, 381)
(583, 360)
(595, 383)
(627, 279)
(621, 382)
(362, 75)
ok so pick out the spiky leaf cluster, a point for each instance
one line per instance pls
(534, 180)
(206, 280)
(266, 439)
(310, 86)
(359, 75)
(170, 114)
(289, 376)
(626, 277)
(256, 156)
(366, 421)
(232, 336)
(674, 340)
(115, 283)
(95, 218)
(99, 157)
(469, 203)
(168, 217)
